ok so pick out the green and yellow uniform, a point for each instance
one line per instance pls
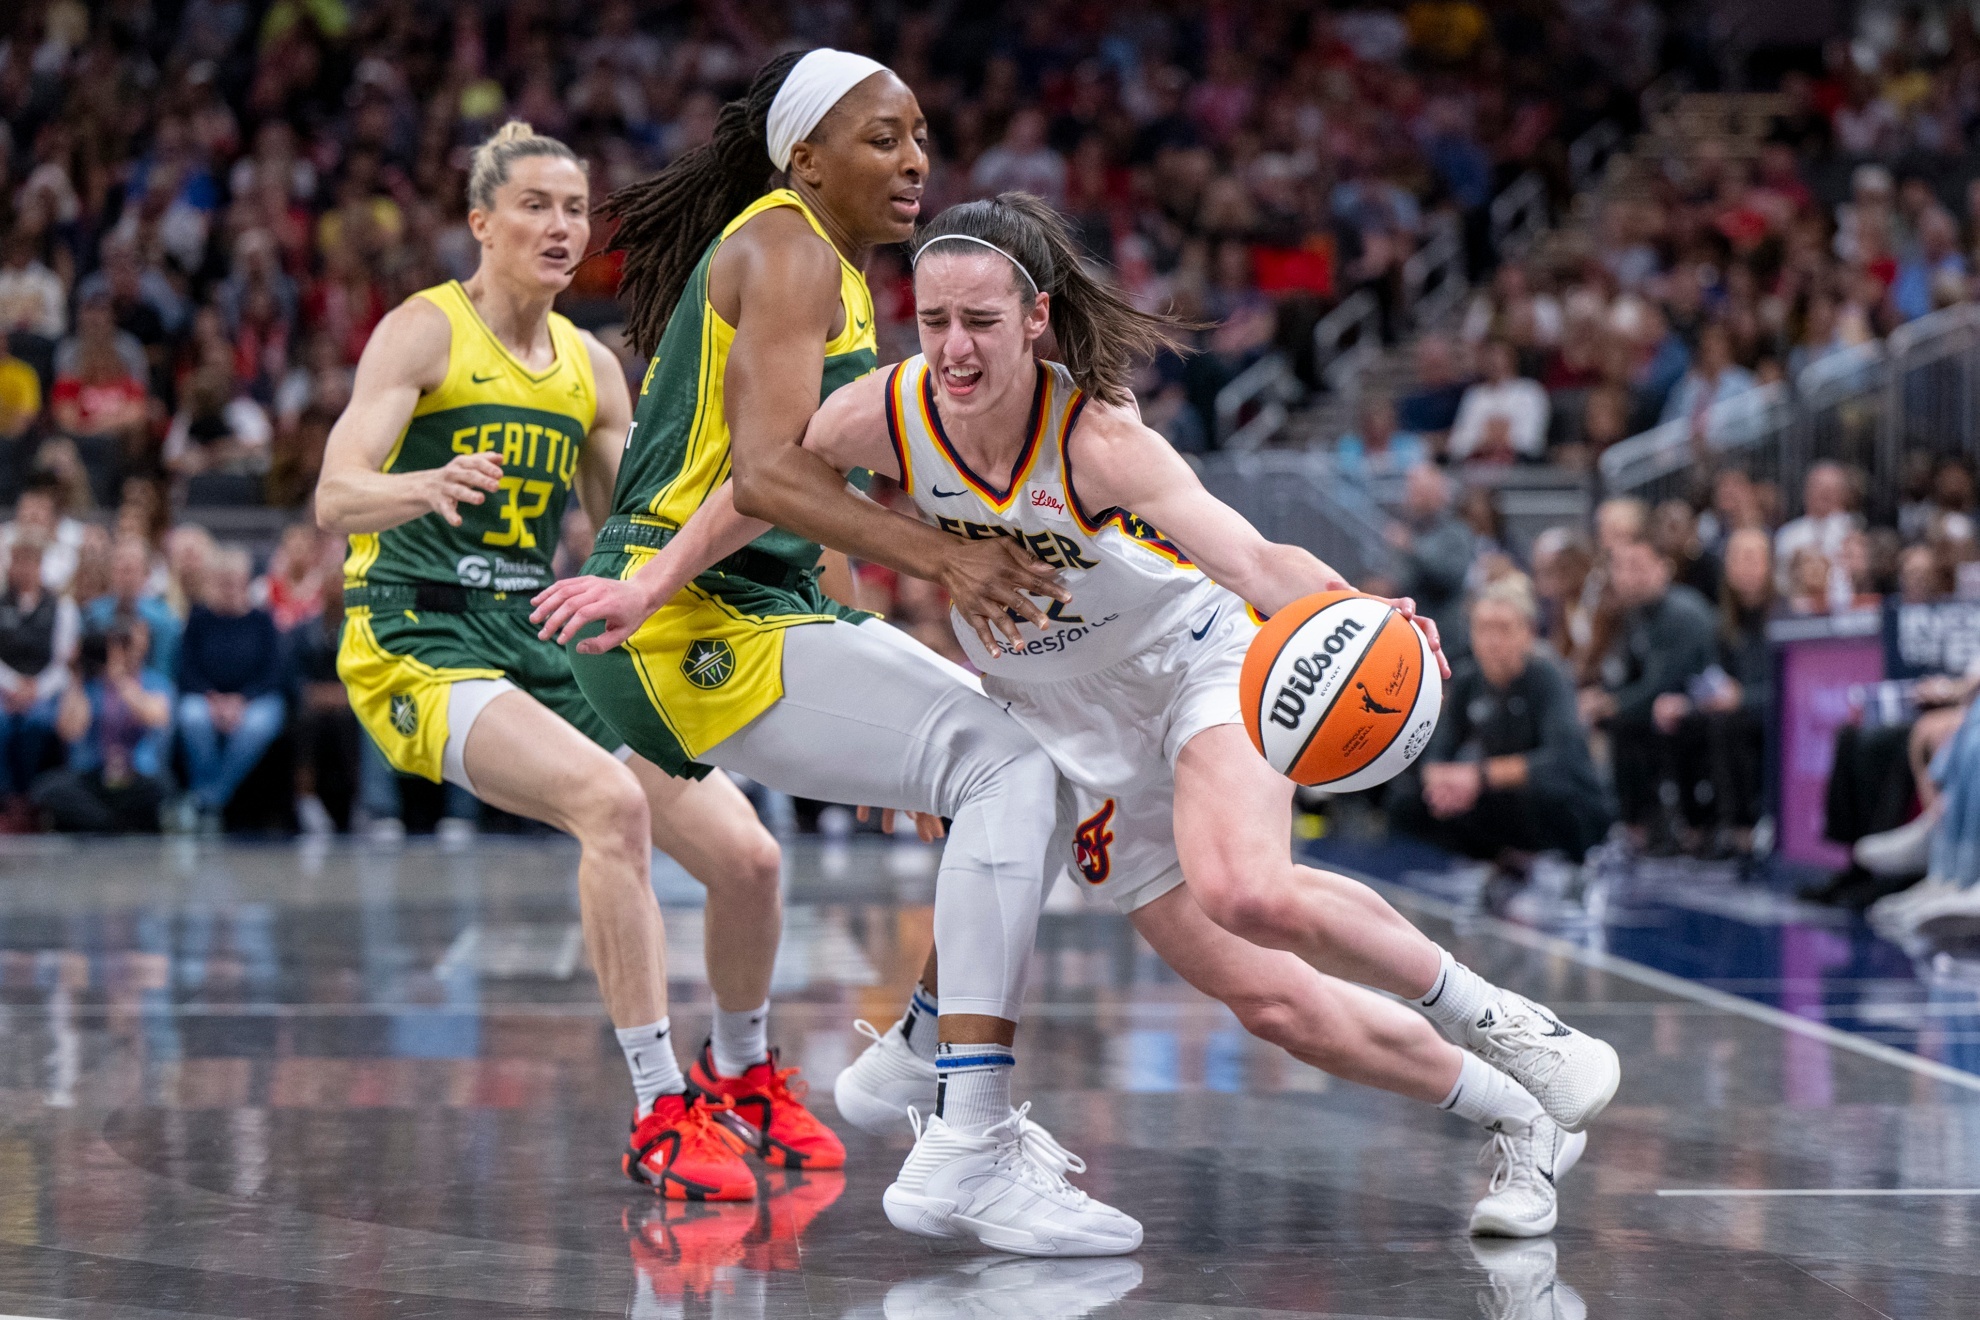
(429, 605)
(711, 660)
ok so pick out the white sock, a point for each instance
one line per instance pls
(1489, 1098)
(973, 1085)
(741, 1040)
(918, 1022)
(1458, 995)
(650, 1055)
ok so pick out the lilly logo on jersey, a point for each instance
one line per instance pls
(1045, 499)
(1307, 673)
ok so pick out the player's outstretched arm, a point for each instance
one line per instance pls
(407, 355)
(1120, 462)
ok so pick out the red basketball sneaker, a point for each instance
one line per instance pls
(681, 1151)
(684, 1253)
(766, 1114)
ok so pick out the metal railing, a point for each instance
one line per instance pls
(1434, 278)
(1345, 338)
(1297, 498)
(1519, 214)
(1589, 154)
(1252, 408)
(1873, 406)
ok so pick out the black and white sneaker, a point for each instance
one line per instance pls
(1524, 1200)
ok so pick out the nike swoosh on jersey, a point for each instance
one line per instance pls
(480, 379)
(941, 494)
(1199, 634)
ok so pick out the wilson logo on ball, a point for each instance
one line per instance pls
(1307, 673)
(1340, 691)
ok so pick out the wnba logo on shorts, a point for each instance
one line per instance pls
(1091, 843)
(708, 663)
(405, 714)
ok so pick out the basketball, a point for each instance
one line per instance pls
(1340, 691)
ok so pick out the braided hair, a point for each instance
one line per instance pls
(667, 221)
(1101, 335)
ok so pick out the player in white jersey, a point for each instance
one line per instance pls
(1132, 690)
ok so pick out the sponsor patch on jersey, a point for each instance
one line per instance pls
(1092, 846)
(405, 714)
(474, 571)
(1048, 503)
(709, 662)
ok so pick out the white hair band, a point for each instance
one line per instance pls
(814, 85)
(980, 242)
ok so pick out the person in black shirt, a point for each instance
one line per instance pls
(1669, 636)
(1508, 773)
(1720, 720)
(38, 636)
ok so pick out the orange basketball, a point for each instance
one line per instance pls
(1340, 691)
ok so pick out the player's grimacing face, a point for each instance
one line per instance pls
(537, 231)
(977, 328)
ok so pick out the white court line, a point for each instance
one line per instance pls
(1818, 1191)
(1529, 938)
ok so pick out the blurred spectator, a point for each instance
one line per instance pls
(230, 684)
(32, 299)
(1827, 519)
(102, 397)
(1563, 567)
(38, 636)
(1712, 378)
(1508, 773)
(189, 552)
(1431, 409)
(1377, 449)
(1674, 527)
(116, 719)
(1719, 720)
(218, 434)
(301, 575)
(327, 733)
(131, 597)
(1434, 551)
(1504, 416)
(1022, 161)
(20, 396)
(1670, 636)
(38, 517)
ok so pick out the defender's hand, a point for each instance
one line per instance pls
(989, 580)
(928, 827)
(464, 480)
(564, 608)
(1407, 608)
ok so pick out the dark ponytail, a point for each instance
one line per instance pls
(667, 222)
(1101, 334)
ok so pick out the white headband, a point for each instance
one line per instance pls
(980, 242)
(812, 87)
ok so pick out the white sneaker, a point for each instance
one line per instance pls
(1523, 1201)
(1892, 915)
(1572, 1074)
(1523, 1282)
(1899, 852)
(387, 830)
(313, 818)
(875, 1091)
(1006, 1188)
(1961, 902)
(997, 1289)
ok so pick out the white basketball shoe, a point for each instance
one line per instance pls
(875, 1091)
(995, 1289)
(1524, 1200)
(1523, 1284)
(1006, 1187)
(1572, 1074)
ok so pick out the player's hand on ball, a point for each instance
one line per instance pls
(1406, 607)
(989, 580)
(465, 479)
(566, 607)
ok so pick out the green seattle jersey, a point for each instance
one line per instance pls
(677, 453)
(489, 401)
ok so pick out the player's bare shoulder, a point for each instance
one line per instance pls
(411, 345)
(1111, 449)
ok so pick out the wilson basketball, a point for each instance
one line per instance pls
(1340, 691)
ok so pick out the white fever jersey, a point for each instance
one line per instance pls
(1130, 586)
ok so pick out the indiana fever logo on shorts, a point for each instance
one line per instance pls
(405, 714)
(708, 663)
(1090, 846)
